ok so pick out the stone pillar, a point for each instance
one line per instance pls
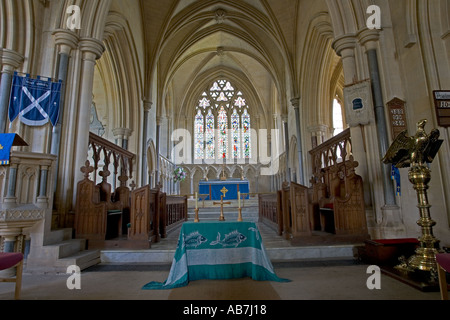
(158, 131)
(42, 199)
(10, 61)
(145, 174)
(296, 105)
(369, 38)
(285, 120)
(91, 49)
(10, 199)
(392, 225)
(345, 47)
(66, 41)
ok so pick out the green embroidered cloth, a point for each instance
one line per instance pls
(218, 250)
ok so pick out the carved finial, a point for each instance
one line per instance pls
(87, 169)
(123, 180)
(104, 173)
(132, 185)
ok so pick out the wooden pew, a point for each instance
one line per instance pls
(337, 191)
(342, 211)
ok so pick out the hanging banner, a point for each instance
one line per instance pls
(358, 104)
(35, 101)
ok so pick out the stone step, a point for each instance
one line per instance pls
(83, 259)
(277, 248)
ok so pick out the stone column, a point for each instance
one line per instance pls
(91, 49)
(66, 41)
(296, 105)
(392, 225)
(285, 120)
(42, 199)
(145, 174)
(369, 38)
(10, 199)
(11, 60)
(345, 47)
(158, 131)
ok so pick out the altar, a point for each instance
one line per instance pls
(218, 250)
(213, 188)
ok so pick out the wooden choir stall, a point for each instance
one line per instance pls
(333, 205)
(123, 218)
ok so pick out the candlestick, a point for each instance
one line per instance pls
(196, 201)
(239, 199)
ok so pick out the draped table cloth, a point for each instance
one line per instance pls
(218, 250)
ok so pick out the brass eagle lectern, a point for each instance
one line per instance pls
(416, 152)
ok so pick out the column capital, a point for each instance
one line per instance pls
(295, 102)
(369, 38)
(285, 117)
(147, 105)
(123, 133)
(66, 40)
(159, 119)
(344, 45)
(11, 60)
(92, 48)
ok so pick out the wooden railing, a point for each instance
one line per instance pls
(176, 211)
(270, 211)
(105, 153)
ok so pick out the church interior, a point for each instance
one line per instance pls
(323, 122)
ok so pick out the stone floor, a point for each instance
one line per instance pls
(334, 275)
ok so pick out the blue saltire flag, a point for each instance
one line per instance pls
(6, 142)
(36, 101)
(395, 175)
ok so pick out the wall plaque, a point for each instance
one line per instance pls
(442, 104)
(358, 104)
(397, 116)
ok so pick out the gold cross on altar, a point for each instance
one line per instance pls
(221, 218)
(224, 191)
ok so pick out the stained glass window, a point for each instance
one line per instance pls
(209, 136)
(235, 135)
(222, 124)
(199, 138)
(246, 139)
